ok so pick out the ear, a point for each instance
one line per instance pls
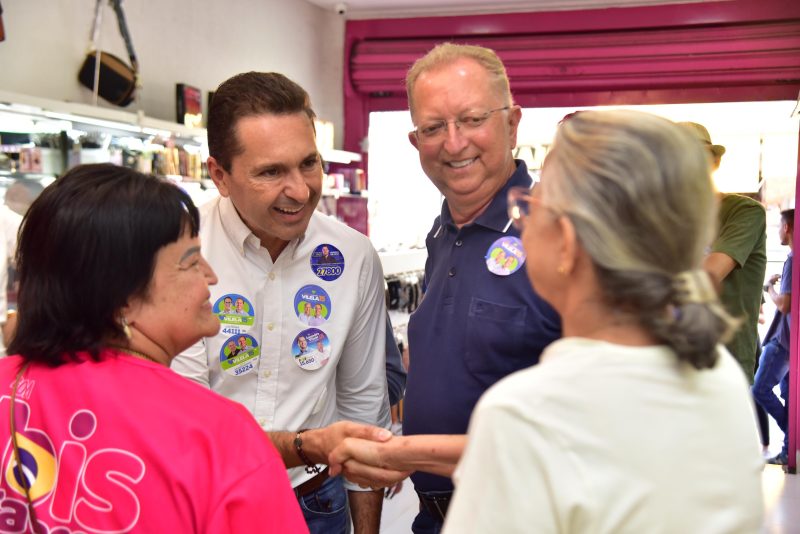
(514, 116)
(218, 175)
(130, 311)
(570, 248)
(412, 138)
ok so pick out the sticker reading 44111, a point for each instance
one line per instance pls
(234, 309)
(327, 262)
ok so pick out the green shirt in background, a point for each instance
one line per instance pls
(742, 237)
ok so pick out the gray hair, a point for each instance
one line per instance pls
(638, 190)
(448, 53)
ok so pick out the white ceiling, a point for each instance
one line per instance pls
(366, 9)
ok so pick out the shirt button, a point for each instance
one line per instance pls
(262, 421)
(451, 272)
(266, 374)
(459, 243)
(270, 326)
(272, 276)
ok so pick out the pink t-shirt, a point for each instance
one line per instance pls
(126, 445)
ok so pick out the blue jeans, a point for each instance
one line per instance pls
(773, 369)
(326, 510)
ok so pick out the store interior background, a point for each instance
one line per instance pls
(203, 42)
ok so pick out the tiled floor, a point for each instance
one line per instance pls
(781, 501)
(781, 505)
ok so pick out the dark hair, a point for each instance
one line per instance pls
(787, 216)
(88, 244)
(246, 95)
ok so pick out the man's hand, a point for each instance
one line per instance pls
(362, 461)
(318, 443)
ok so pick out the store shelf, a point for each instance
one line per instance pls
(24, 175)
(41, 109)
(339, 156)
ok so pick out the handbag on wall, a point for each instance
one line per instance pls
(106, 74)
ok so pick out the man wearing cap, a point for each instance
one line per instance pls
(738, 259)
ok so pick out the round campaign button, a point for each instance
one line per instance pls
(312, 304)
(327, 262)
(233, 308)
(505, 256)
(311, 349)
(239, 354)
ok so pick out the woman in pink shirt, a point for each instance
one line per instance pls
(109, 439)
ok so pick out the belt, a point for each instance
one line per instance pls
(435, 505)
(312, 484)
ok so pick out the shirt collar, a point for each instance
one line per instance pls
(495, 217)
(234, 227)
(239, 234)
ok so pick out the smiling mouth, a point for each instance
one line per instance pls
(462, 163)
(286, 211)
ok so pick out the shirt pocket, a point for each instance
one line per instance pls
(495, 339)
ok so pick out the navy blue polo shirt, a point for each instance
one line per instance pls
(472, 327)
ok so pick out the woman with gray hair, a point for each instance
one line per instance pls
(638, 420)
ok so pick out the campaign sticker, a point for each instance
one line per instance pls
(505, 256)
(311, 349)
(239, 354)
(234, 309)
(312, 304)
(327, 262)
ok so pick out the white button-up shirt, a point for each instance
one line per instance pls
(267, 377)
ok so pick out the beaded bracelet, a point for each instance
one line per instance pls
(311, 468)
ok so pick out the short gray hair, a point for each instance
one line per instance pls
(448, 53)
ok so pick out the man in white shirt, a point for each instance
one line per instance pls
(265, 241)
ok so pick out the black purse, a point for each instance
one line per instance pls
(106, 74)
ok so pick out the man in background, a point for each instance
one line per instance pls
(19, 197)
(737, 262)
(773, 366)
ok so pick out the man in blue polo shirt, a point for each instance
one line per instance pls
(478, 321)
(475, 324)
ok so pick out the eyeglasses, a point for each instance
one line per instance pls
(435, 130)
(519, 204)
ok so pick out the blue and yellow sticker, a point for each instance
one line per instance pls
(505, 256)
(313, 305)
(327, 262)
(233, 308)
(239, 354)
(311, 349)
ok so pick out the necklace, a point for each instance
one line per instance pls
(137, 354)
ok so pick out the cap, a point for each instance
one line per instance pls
(703, 136)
